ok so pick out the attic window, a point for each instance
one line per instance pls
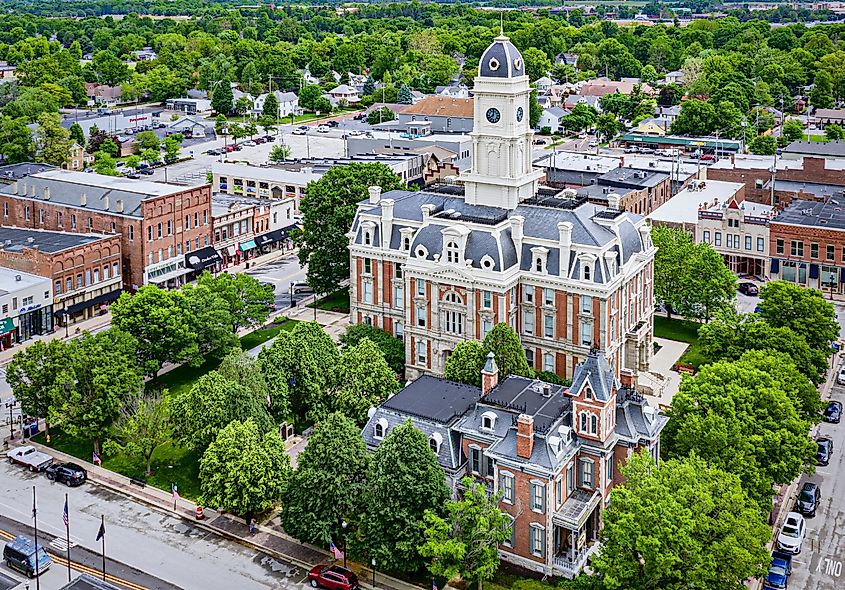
(588, 394)
(368, 238)
(517, 63)
(406, 244)
(452, 252)
(586, 273)
(488, 421)
(487, 262)
(434, 442)
(493, 64)
(421, 252)
(380, 428)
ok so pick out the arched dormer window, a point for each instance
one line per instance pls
(586, 272)
(452, 297)
(380, 428)
(538, 265)
(368, 238)
(434, 442)
(488, 420)
(453, 252)
(406, 244)
(588, 393)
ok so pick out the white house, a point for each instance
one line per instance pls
(343, 92)
(288, 103)
(551, 118)
(544, 84)
(188, 127)
(453, 91)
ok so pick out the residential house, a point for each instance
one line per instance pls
(288, 103)
(103, 94)
(674, 77)
(543, 84)
(552, 453)
(570, 59)
(7, 71)
(188, 127)
(552, 118)
(824, 117)
(446, 115)
(343, 94)
(653, 126)
(78, 158)
(453, 91)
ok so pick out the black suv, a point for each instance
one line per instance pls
(833, 412)
(808, 499)
(68, 473)
(825, 450)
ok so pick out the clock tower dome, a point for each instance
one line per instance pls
(501, 174)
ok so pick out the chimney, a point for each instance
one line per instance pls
(564, 229)
(627, 378)
(106, 202)
(426, 209)
(46, 193)
(524, 436)
(386, 221)
(613, 200)
(83, 200)
(489, 374)
(375, 194)
(517, 224)
(118, 206)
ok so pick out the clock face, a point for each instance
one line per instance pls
(493, 115)
(519, 114)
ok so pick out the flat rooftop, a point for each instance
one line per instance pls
(829, 214)
(269, 174)
(814, 188)
(630, 177)
(434, 399)
(575, 162)
(9, 281)
(753, 162)
(816, 148)
(684, 206)
(15, 239)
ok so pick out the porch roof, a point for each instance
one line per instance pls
(577, 509)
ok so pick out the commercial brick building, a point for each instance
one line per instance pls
(553, 453)
(159, 224)
(85, 269)
(26, 306)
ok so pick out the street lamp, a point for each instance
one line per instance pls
(344, 524)
(373, 562)
(11, 405)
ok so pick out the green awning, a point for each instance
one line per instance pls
(6, 326)
(248, 245)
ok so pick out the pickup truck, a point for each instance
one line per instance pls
(30, 457)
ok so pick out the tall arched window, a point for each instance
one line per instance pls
(452, 252)
(587, 272)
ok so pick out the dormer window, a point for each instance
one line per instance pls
(586, 273)
(434, 442)
(406, 244)
(588, 394)
(488, 421)
(453, 253)
(380, 429)
(540, 256)
(368, 238)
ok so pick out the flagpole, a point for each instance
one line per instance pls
(35, 530)
(103, 528)
(67, 531)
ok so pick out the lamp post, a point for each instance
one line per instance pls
(373, 563)
(11, 405)
(343, 525)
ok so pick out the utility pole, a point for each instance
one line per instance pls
(774, 176)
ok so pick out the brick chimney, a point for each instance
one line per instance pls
(489, 374)
(524, 436)
(627, 378)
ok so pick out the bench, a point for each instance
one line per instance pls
(138, 481)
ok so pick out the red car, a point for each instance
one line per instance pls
(333, 577)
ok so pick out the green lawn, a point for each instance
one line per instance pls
(682, 331)
(170, 463)
(266, 333)
(337, 301)
(819, 138)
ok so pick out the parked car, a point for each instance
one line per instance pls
(300, 131)
(333, 577)
(260, 140)
(323, 129)
(355, 133)
(249, 143)
(20, 554)
(67, 473)
(301, 288)
(833, 412)
(783, 559)
(30, 457)
(747, 288)
(840, 376)
(269, 138)
(791, 534)
(237, 147)
(229, 149)
(808, 498)
(134, 175)
(707, 157)
(825, 450)
(332, 123)
(147, 171)
(776, 577)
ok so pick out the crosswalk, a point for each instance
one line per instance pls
(61, 544)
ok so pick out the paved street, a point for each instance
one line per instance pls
(281, 273)
(821, 564)
(180, 554)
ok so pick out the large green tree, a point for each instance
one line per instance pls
(680, 524)
(39, 375)
(53, 140)
(391, 347)
(804, 311)
(214, 401)
(16, 143)
(143, 425)
(465, 363)
(744, 419)
(697, 117)
(244, 470)
(510, 356)
(156, 318)
(222, 98)
(328, 209)
(362, 380)
(404, 480)
(247, 300)
(328, 485)
(208, 314)
(270, 108)
(466, 541)
(106, 374)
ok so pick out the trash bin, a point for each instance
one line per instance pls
(32, 429)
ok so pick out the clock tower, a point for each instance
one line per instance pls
(501, 174)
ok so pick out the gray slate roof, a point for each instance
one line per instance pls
(816, 148)
(596, 372)
(14, 239)
(510, 63)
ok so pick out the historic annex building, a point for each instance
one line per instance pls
(444, 265)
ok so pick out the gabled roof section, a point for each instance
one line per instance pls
(596, 372)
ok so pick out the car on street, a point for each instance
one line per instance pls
(332, 123)
(301, 288)
(833, 412)
(782, 559)
(776, 577)
(808, 498)
(840, 376)
(791, 534)
(355, 133)
(20, 554)
(70, 474)
(249, 143)
(229, 149)
(147, 171)
(825, 450)
(747, 288)
(300, 130)
(132, 175)
(323, 129)
(333, 577)
(30, 457)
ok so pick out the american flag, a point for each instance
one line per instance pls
(175, 492)
(64, 513)
(95, 459)
(433, 584)
(336, 553)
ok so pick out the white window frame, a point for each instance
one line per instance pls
(506, 485)
(538, 537)
(538, 497)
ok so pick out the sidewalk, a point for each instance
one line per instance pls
(269, 539)
(90, 325)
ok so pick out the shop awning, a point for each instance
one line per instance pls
(202, 258)
(248, 245)
(98, 300)
(173, 274)
(6, 326)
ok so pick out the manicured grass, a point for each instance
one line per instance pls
(170, 463)
(682, 331)
(266, 333)
(337, 301)
(819, 138)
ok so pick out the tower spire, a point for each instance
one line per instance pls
(502, 23)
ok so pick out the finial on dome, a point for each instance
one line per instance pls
(502, 24)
